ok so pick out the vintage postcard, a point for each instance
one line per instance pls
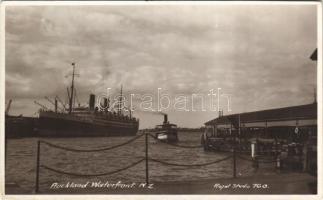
(162, 98)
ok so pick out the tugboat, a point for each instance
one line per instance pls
(167, 132)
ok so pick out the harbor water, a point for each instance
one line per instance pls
(21, 161)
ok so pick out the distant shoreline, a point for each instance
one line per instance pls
(200, 130)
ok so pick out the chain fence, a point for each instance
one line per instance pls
(145, 159)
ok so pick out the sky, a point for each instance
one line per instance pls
(257, 54)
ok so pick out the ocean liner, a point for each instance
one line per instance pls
(86, 121)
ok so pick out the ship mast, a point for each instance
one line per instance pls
(72, 91)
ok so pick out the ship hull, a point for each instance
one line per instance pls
(60, 125)
(16, 126)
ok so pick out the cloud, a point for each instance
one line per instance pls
(257, 53)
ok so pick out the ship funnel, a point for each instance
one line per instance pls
(92, 101)
(165, 119)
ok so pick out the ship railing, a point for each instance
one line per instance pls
(145, 158)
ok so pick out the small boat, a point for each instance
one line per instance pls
(166, 132)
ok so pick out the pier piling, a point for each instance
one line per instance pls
(146, 156)
(234, 158)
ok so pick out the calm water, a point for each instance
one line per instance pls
(21, 164)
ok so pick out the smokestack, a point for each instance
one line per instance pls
(165, 119)
(92, 101)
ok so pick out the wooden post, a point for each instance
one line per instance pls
(37, 168)
(305, 157)
(234, 161)
(253, 149)
(276, 148)
(146, 150)
(234, 153)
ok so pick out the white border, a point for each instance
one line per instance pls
(147, 3)
(319, 100)
(2, 98)
(137, 197)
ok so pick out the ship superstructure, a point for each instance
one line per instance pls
(86, 121)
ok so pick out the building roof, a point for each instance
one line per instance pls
(308, 111)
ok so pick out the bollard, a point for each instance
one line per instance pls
(146, 150)
(37, 168)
